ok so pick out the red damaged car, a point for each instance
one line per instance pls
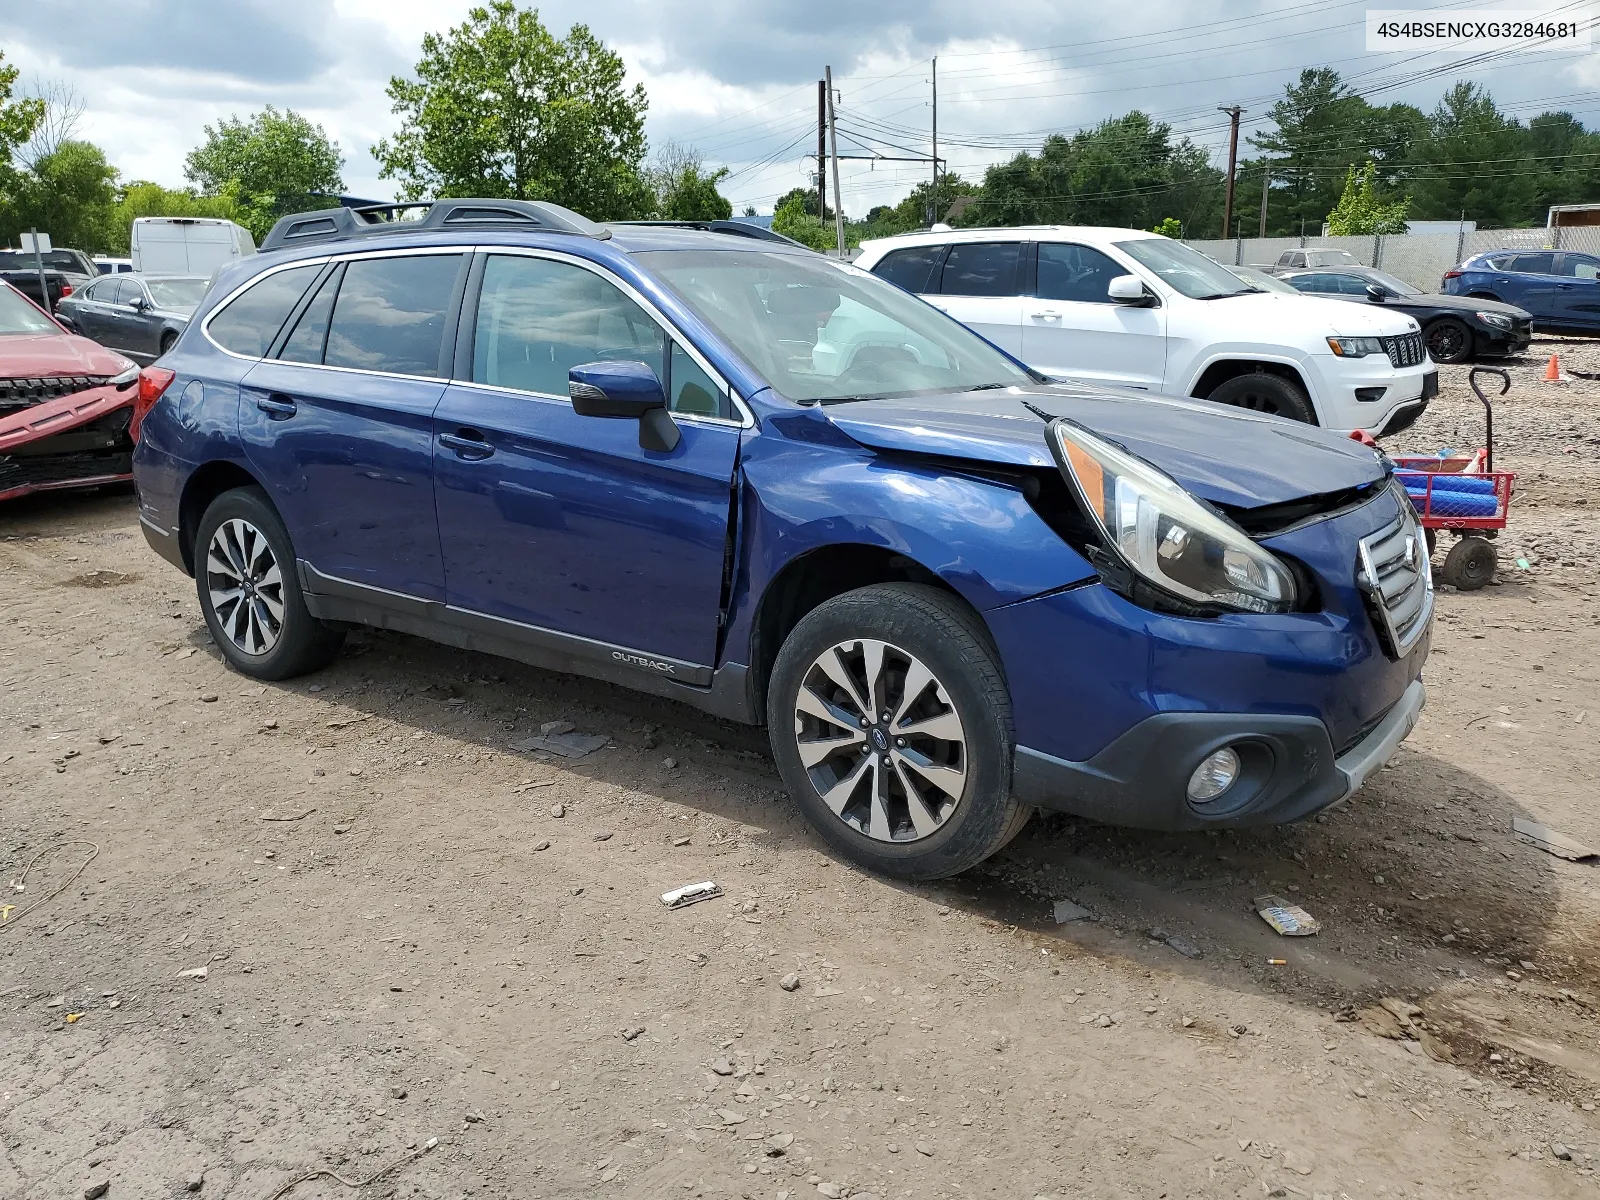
(67, 406)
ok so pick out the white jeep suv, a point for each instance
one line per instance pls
(1136, 309)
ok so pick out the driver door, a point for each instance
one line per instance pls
(561, 529)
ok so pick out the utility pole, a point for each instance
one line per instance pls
(822, 150)
(1233, 111)
(1266, 178)
(933, 200)
(833, 149)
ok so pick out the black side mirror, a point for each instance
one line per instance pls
(1376, 294)
(627, 390)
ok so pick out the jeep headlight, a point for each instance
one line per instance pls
(1498, 320)
(1163, 534)
(1355, 347)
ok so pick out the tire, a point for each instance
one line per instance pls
(1431, 537)
(1470, 564)
(1262, 392)
(1448, 340)
(168, 341)
(964, 810)
(268, 633)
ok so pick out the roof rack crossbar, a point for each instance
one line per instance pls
(370, 220)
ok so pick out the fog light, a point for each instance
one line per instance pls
(1214, 776)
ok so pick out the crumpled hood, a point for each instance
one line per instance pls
(40, 355)
(1228, 457)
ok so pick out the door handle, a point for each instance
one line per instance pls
(1565, 287)
(1045, 316)
(277, 407)
(467, 443)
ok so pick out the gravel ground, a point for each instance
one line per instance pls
(410, 931)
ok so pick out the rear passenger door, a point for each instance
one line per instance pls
(1533, 285)
(338, 421)
(981, 285)
(560, 531)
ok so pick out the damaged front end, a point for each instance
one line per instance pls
(66, 431)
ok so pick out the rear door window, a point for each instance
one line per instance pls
(390, 314)
(1072, 272)
(1542, 263)
(538, 318)
(981, 269)
(910, 268)
(250, 322)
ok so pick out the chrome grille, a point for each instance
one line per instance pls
(1406, 350)
(1397, 580)
(19, 393)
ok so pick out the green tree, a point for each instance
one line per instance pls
(807, 198)
(501, 107)
(272, 164)
(792, 220)
(70, 194)
(1360, 211)
(684, 190)
(1168, 227)
(141, 198)
(1475, 161)
(18, 120)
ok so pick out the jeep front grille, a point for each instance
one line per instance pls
(1406, 350)
(1397, 580)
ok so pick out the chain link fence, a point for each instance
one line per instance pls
(1421, 259)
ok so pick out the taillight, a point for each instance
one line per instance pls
(66, 289)
(153, 381)
(1452, 274)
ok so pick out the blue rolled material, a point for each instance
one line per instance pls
(1454, 504)
(1443, 481)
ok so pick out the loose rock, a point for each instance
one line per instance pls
(789, 982)
(924, 1148)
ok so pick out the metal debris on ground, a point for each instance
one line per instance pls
(1290, 920)
(691, 893)
(567, 745)
(1533, 834)
(1066, 911)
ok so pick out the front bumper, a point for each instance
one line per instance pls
(1290, 770)
(73, 441)
(1368, 393)
(1502, 343)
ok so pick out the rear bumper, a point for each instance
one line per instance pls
(1290, 769)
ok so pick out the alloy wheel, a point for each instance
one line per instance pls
(880, 740)
(245, 584)
(1446, 342)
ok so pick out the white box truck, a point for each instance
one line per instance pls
(187, 245)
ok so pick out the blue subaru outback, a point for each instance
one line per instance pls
(772, 486)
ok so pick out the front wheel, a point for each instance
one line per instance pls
(1470, 564)
(1448, 341)
(1261, 392)
(891, 726)
(244, 571)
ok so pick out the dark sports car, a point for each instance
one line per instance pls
(1455, 328)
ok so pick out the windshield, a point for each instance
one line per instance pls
(54, 260)
(819, 330)
(176, 293)
(18, 316)
(1186, 270)
(1260, 279)
(1398, 286)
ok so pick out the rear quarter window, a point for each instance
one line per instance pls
(250, 322)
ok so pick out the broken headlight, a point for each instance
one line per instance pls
(1164, 535)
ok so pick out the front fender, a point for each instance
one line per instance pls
(978, 535)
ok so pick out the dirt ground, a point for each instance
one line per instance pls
(410, 931)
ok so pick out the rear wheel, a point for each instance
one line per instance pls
(891, 725)
(250, 594)
(1261, 392)
(1470, 564)
(1448, 340)
(168, 341)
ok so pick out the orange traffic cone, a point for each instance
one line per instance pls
(1552, 370)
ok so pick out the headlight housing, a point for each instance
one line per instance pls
(1355, 347)
(126, 376)
(1163, 535)
(1498, 320)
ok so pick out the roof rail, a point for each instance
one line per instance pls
(426, 216)
(736, 227)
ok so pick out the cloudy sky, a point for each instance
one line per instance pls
(737, 78)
